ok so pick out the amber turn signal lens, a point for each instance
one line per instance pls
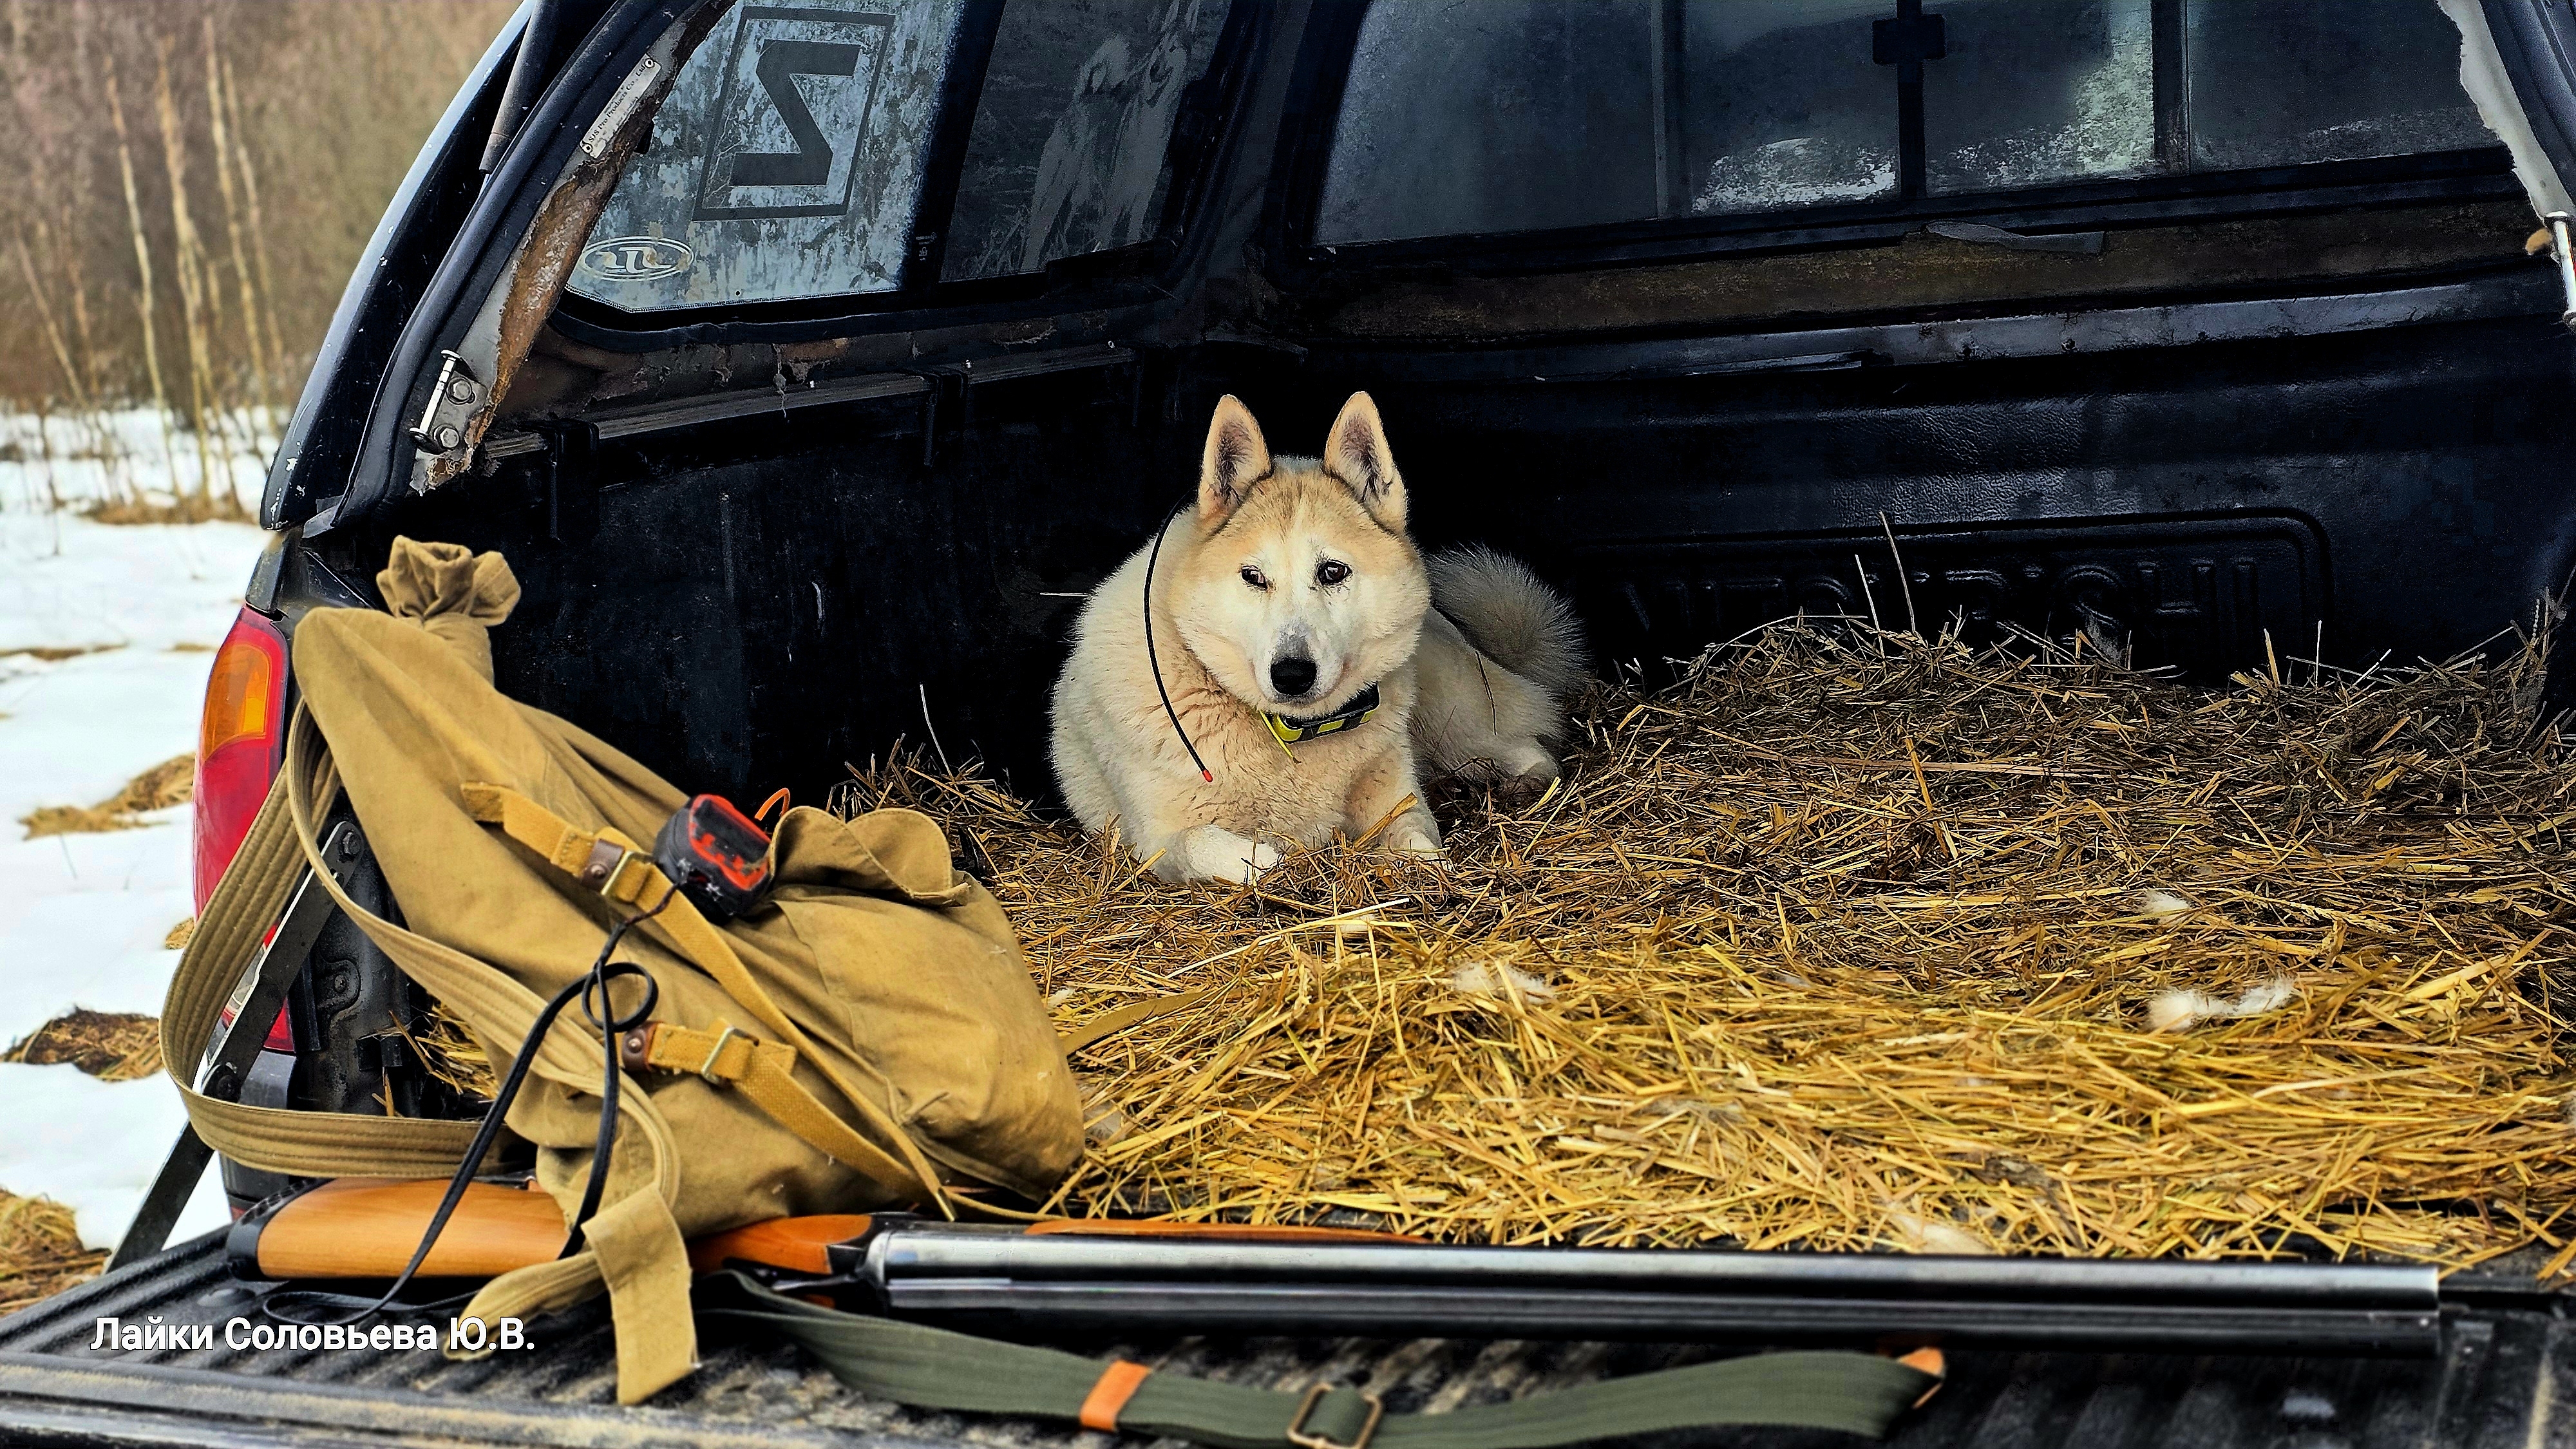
(237, 742)
(237, 698)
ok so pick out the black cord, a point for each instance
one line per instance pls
(610, 1025)
(1156, 663)
(283, 1307)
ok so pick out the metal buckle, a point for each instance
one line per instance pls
(707, 1068)
(607, 867)
(1298, 1436)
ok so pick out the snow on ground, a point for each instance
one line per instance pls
(114, 454)
(83, 916)
(93, 1147)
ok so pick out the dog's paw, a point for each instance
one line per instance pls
(1522, 791)
(1414, 840)
(1211, 852)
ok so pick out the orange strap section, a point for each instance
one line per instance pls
(1101, 1407)
(1930, 1361)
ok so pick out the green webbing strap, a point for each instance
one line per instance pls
(934, 1368)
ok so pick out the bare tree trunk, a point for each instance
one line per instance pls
(194, 303)
(276, 349)
(263, 366)
(143, 263)
(53, 489)
(92, 383)
(116, 461)
(53, 329)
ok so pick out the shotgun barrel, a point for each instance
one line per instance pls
(1005, 1280)
(1120, 1277)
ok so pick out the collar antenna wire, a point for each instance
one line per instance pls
(1156, 663)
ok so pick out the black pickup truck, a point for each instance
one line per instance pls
(810, 360)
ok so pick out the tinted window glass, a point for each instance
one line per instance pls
(786, 162)
(1467, 116)
(2034, 92)
(1462, 117)
(2279, 82)
(1070, 149)
(1781, 105)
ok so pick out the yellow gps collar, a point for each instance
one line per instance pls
(1297, 731)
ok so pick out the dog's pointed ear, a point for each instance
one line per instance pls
(1356, 452)
(1235, 459)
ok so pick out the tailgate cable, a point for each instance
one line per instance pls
(288, 1306)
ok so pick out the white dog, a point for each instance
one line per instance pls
(1269, 668)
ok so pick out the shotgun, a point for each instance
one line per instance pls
(1115, 1276)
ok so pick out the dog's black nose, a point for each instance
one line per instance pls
(1292, 677)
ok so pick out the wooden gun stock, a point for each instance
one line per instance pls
(357, 1227)
(796, 1244)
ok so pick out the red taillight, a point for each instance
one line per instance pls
(239, 743)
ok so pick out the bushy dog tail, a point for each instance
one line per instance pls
(1512, 615)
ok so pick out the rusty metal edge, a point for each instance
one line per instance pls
(547, 250)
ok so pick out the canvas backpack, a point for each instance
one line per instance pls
(869, 1036)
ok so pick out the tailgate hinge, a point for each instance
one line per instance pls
(442, 423)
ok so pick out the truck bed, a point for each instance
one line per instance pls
(2506, 1378)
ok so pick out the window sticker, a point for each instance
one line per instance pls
(786, 164)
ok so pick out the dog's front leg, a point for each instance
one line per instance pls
(1210, 852)
(1382, 789)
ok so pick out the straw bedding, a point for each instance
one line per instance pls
(1854, 941)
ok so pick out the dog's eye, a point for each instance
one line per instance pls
(1331, 571)
(1253, 577)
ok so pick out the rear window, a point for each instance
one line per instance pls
(1465, 117)
(1071, 148)
(787, 161)
(792, 158)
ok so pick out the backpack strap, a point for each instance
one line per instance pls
(761, 1071)
(615, 867)
(912, 1363)
(301, 1144)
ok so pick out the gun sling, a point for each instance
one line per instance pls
(911, 1363)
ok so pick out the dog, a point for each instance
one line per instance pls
(1276, 665)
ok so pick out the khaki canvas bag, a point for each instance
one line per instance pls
(868, 1036)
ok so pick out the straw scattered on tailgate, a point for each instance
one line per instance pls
(1858, 941)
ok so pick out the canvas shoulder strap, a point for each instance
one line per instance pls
(912, 1363)
(298, 1143)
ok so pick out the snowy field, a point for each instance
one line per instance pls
(83, 920)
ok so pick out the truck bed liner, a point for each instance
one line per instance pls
(2506, 1379)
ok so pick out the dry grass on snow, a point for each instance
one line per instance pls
(40, 1247)
(40, 1252)
(113, 1046)
(56, 653)
(172, 782)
